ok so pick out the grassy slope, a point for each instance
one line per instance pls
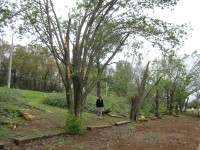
(40, 124)
(34, 98)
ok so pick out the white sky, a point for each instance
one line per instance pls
(186, 11)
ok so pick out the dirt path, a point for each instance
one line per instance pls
(169, 133)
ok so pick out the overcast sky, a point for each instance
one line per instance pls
(186, 11)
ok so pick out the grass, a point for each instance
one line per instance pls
(40, 124)
(46, 123)
(35, 98)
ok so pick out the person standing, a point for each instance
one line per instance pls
(99, 105)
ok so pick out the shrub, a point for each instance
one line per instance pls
(146, 108)
(56, 99)
(117, 104)
(74, 124)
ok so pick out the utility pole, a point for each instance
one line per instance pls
(10, 63)
(1, 51)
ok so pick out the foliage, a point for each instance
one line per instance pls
(74, 124)
(9, 12)
(178, 80)
(123, 78)
(8, 103)
(116, 104)
(33, 67)
(56, 99)
(146, 108)
(181, 94)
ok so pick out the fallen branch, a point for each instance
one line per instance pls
(106, 111)
(117, 116)
(121, 123)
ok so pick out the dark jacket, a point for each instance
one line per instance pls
(99, 103)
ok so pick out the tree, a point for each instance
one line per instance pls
(178, 79)
(118, 20)
(139, 97)
(9, 12)
(123, 78)
(33, 68)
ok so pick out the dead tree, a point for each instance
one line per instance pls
(138, 99)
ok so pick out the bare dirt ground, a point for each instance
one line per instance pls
(168, 133)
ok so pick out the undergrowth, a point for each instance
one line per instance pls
(74, 125)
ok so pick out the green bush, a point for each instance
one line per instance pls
(74, 124)
(146, 108)
(56, 99)
(117, 104)
(90, 105)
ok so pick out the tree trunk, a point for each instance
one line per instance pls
(98, 88)
(171, 102)
(176, 109)
(99, 82)
(157, 104)
(78, 100)
(134, 108)
(181, 108)
(186, 103)
(168, 101)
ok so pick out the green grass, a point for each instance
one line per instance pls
(35, 98)
(58, 117)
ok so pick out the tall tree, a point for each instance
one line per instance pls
(116, 18)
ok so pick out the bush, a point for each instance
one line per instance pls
(117, 104)
(146, 108)
(56, 99)
(73, 124)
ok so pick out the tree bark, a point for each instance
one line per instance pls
(78, 98)
(171, 105)
(157, 104)
(134, 108)
(99, 82)
(186, 103)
